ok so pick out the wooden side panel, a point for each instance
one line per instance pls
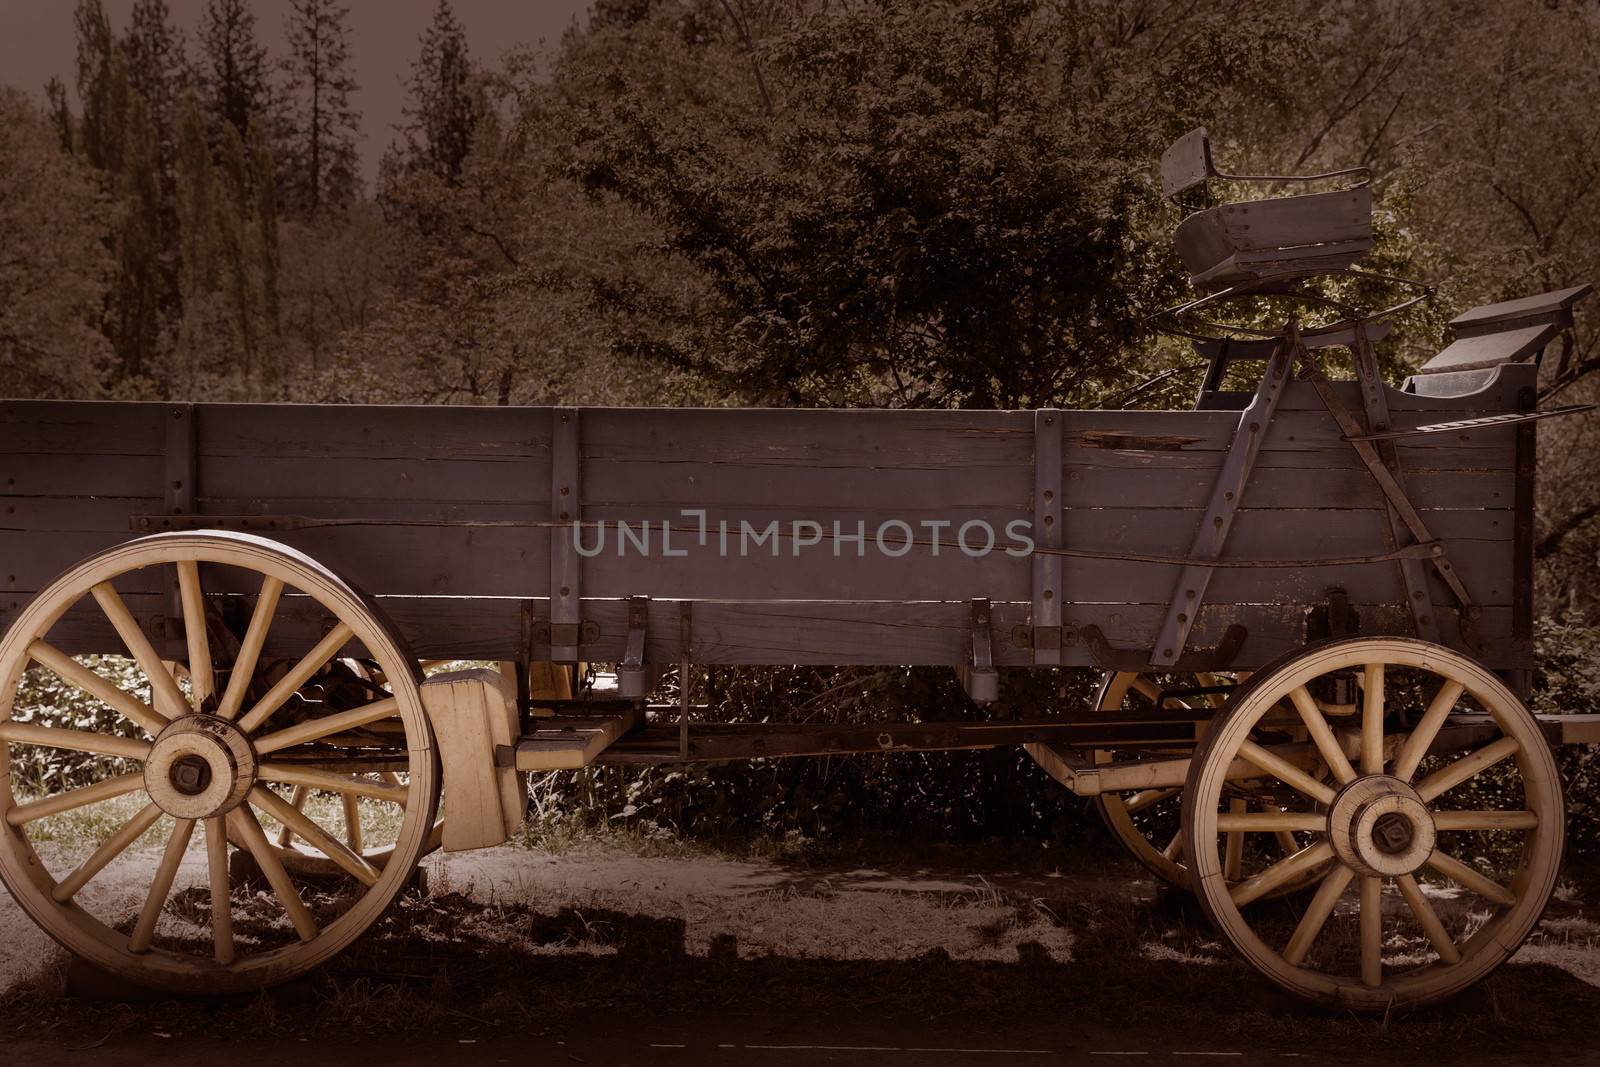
(446, 512)
(813, 632)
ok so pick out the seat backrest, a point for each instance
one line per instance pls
(1187, 163)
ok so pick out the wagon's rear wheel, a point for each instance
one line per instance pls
(197, 745)
(1443, 824)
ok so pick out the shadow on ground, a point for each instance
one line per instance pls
(1141, 961)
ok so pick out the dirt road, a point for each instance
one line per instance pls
(600, 956)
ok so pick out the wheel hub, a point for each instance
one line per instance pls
(199, 767)
(1379, 826)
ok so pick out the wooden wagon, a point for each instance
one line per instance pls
(1311, 600)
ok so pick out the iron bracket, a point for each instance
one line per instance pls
(981, 680)
(631, 682)
(1227, 492)
(1195, 661)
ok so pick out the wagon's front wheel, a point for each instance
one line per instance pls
(1442, 824)
(198, 741)
(1148, 822)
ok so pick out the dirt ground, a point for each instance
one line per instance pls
(601, 955)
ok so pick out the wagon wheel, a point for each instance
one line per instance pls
(208, 759)
(1148, 822)
(1399, 818)
(305, 859)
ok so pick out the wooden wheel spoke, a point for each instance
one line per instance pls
(1317, 912)
(1486, 820)
(335, 783)
(298, 675)
(1286, 842)
(297, 800)
(1146, 797)
(76, 674)
(1233, 848)
(1322, 735)
(28, 733)
(1428, 919)
(1286, 772)
(1148, 689)
(1469, 766)
(1421, 739)
(169, 699)
(109, 849)
(1371, 931)
(221, 890)
(302, 824)
(194, 630)
(1271, 822)
(1280, 873)
(1471, 880)
(352, 822)
(314, 729)
(244, 824)
(1174, 847)
(1372, 719)
(255, 636)
(105, 789)
(145, 929)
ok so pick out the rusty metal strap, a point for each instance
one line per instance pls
(1353, 432)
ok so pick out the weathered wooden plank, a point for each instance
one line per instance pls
(642, 481)
(337, 477)
(371, 431)
(813, 437)
(934, 633)
(1094, 485)
(49, 427)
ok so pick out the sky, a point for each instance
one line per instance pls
(36, 42)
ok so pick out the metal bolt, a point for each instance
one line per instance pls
(190, 775)
(1392, 833)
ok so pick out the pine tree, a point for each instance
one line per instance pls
(102, 87)
(233, 68)
(116, 136)
(227, 217)
(141, 240)
(157, 59)
(322, 161)
(443, 112)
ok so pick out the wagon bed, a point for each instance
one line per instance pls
(459, 520)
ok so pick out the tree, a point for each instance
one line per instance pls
(118, 138)
(233, 72)
(156, 59)
(102, 88)
(227, 345)
(443, 112)
(55, 267)
(952, 204)
(322, 163)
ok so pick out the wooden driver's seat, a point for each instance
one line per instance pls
(1261, 244)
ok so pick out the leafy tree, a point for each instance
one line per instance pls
(323, 127)
(233, 72)
(55, 267)
(933, 215)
